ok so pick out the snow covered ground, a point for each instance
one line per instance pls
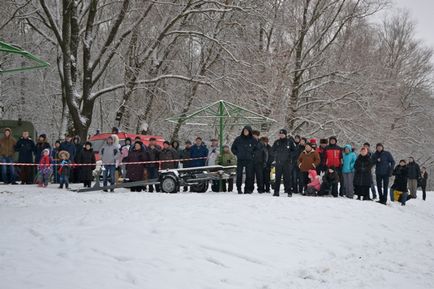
(59, 240)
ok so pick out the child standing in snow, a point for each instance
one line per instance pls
(44, 168)
(314, 185)
(64, 169)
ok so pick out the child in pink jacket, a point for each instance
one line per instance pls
(314, 185)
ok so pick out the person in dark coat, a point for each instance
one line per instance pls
(260, 159)
(330, 182)
(168, 153)
(75, 171)
(362, 175)
(154, 155)
(373, 189)
(136, 172)
(413, 171)
(400, 182)
(282, 152)
(423, 182)
(384, 164)
(198, 150)
(86, 156)
(41, 145)
(55, 159)
(243, 148)
(322, 168)
(296, 188)
(25, 147)
(268, 164)
(68, 146)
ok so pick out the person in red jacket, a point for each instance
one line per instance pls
(333, 158)
(44, 168)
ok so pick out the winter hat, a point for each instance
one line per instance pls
(45, 150)
(7, 129)
(64, 153)
(213, 139)
(57, 141)
(188, 142)
(128, 139)
(312, 141)
(283, 131)
(44, 136)
(166, 142)
(88, 143)
(309, 144)
(138, 142)
(367, 144)
(379, 145)
(323, 141)
(305, 139)
(333, 137)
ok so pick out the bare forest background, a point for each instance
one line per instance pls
(318, 67)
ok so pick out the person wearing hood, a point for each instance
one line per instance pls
(7, 151)
(227, 159)
(198, 150)
(41, 145)
(109, 153)
(26, 148)
(314, 184)
(308, 160)
(349, 160)
(86, 156)
(283, 150)
(384, 164)
(243, 148)
(363, 175)
(333, 159)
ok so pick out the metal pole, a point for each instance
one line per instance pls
(221, 131)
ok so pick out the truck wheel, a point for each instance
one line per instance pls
(169, 185)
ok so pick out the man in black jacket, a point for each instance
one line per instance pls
(26, 148)
(282, 152)
(244, 147)
(413, 173)
(260, 158)
(267, 169)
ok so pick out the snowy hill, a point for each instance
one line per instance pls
(59, 240)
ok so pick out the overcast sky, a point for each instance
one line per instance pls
(422, 11)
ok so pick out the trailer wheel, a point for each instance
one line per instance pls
(169, 184)
(200, 188)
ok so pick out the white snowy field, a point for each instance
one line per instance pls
(59, 240)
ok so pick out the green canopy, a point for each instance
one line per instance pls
(35, 62)
(222, 113)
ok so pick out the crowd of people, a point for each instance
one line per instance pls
(304, 166)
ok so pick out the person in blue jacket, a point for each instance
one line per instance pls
(384, 165)
(349, 160)
(198, 150)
